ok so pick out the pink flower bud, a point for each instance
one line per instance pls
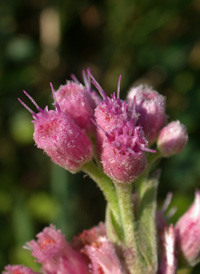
(188, 232)
(111, 113)
(18, 269)
(123, 154)
(75, 101)
(172, 139)
(62, 140)
(168, 261)
(151, 107)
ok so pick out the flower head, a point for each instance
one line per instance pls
(50, 243)
(123, 153)
(101, 253)
(104, 259)
(151, 107)
(77, 102)
(172, 139)
(18, 269)
(60, 137)
(187, 231)
(55, 254)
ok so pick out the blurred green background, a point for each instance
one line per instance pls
(153, 42)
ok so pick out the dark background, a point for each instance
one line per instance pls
(154, 42)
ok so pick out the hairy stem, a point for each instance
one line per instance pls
(106, 186)
(132, 256)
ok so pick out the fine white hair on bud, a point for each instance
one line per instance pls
(172, 139)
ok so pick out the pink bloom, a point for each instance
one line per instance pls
(151, 107)
(101, 253)
(172, 139)
(87, 85)
(50, 243)
(168, 260)
(104, 259)
(111, 113)
(18, 269)
(123, 153)
(188, 232)
(88, 237)
(62, 140)
(75, 101)
(55, 254)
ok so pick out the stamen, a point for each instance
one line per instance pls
(57, 107)
(96, 84)
(171, 212)
(118, 87)
(75, 79)
(105, 132)
(167, 202)
(148, 149)
(33, 101)
(131, 151)
(26, 107)
(85, 80)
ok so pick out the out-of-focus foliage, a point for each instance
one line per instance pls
(153, 42)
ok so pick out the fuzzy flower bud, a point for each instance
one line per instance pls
(62, 140)
(18, 269)
(172, 139)
(123, 153)
(151, 107)
(75, 101)
(188, 232)
(111, 113)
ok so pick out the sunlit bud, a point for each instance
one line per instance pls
(123, 153)
(57, 134)
(18, 269)
(172, 139)
(76, 101)
(111, 113)
(151, 107)
(188, 232)
(168, 261)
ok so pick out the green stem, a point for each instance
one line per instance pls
(106, 186)
(132, 258)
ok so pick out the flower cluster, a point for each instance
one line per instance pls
(117, 143)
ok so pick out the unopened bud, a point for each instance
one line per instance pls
(188, 233)
(151, 107)
(57, 134)
(123, 154)
(172, 139)
(74, 100)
